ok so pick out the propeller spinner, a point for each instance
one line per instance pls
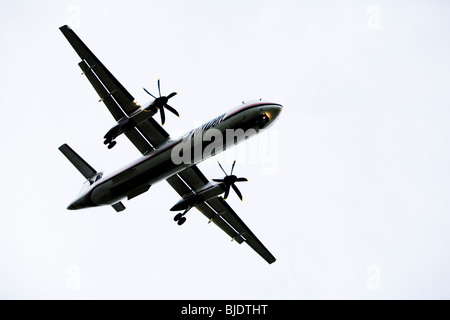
(161, 103)
(229, 181)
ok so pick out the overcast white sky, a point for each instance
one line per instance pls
(349, 190)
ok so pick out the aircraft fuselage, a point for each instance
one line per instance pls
(176, 155)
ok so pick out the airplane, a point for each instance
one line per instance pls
(164, 158)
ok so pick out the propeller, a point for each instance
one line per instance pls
(161, 103)
(230, 180)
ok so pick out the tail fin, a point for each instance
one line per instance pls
(85, 169)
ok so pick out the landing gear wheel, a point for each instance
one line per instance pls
(181, 221)
(178, 217)
(112, 144)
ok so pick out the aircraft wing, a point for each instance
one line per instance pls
(218, 211)
(146, 136)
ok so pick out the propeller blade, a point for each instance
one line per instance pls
(241, 179)
(159, 89)
(232, 167)
(237, 191)
(175, 112)
(217, 180)
(163, 116)
(171, 95)
(221, 168)
(149, 92)
(227, 191)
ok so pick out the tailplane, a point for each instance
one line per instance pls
(83, 167)
(86, 170)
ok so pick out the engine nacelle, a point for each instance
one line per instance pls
(190, 199)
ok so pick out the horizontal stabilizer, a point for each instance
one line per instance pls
(85, 169)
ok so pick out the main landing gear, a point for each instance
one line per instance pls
(110, 143)
(180, 218)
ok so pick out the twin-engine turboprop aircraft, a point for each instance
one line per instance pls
(164, 158)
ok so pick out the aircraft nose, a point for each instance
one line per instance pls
(274, 111)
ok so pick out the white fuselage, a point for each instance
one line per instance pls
(176, 155)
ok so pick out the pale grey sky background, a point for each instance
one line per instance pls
(349, 190)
